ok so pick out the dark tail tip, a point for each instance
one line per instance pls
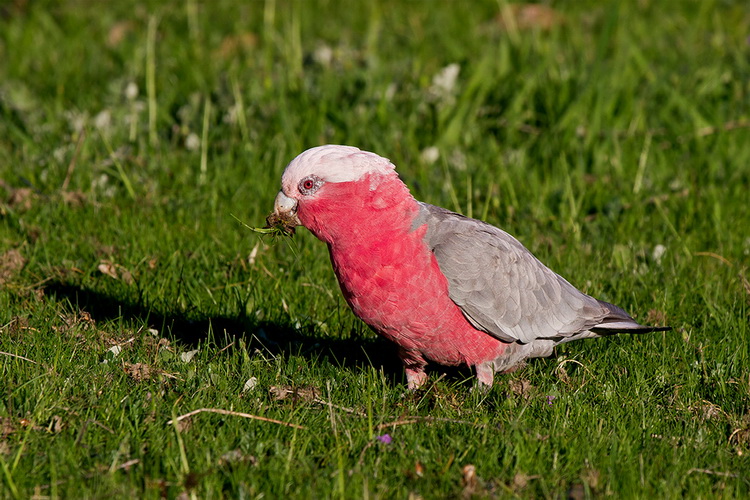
(649, 329)
(636, 328)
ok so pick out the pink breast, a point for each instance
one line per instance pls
(397, 288)
(389, 277)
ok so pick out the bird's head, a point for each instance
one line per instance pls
(327, 185)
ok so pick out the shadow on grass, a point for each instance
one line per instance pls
(276, 338)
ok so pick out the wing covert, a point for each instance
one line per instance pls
(500, 286)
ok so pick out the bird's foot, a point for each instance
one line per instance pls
(415, 377)
(485, 376)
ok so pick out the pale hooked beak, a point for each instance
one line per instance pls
(286, 208)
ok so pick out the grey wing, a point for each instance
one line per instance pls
(505, 291)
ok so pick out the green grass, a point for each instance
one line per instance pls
(132, 136)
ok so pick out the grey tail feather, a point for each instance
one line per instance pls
(618, 321)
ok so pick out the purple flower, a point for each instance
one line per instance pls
(550, 399)
(385, 438)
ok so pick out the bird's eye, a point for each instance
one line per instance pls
(309, 185)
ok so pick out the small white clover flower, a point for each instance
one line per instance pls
(192, 141)
(658, 252)
(444, 82)
(430, 155)
(131, 91)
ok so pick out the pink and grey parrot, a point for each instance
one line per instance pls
(445, 288)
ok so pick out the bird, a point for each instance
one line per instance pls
(445, 288)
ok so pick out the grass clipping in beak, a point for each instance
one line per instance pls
(276, 225)
(280, 224)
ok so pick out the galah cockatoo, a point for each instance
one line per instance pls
(444, 287)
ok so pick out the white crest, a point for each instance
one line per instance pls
(334, 163)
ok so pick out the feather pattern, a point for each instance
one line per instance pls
(504, 290)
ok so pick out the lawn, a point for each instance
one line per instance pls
(138, 139)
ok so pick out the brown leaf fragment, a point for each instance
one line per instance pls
(306, 394)
(6, 426)
(529, 16)
(139, 371)
(156, 344)
(185, 424)
(56, 424)
(81, 320)
(419, 469)
(21, 198)
(105, 250)
(740, 437)
(233, 45)
(18, 326)
(469, 476)
(562, 374)
(108, 268)
(656, 317)
(521, 387)
(118, 32)
(520, 481)
(74, 198)
(590, 476)
(706, 410)
(473, 486)
(11, 262)
(26, 423)
(115, 271)
(84, 318)
(577, 492)
(127, 277)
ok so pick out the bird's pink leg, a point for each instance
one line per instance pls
(485, 375)
(414, 365)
